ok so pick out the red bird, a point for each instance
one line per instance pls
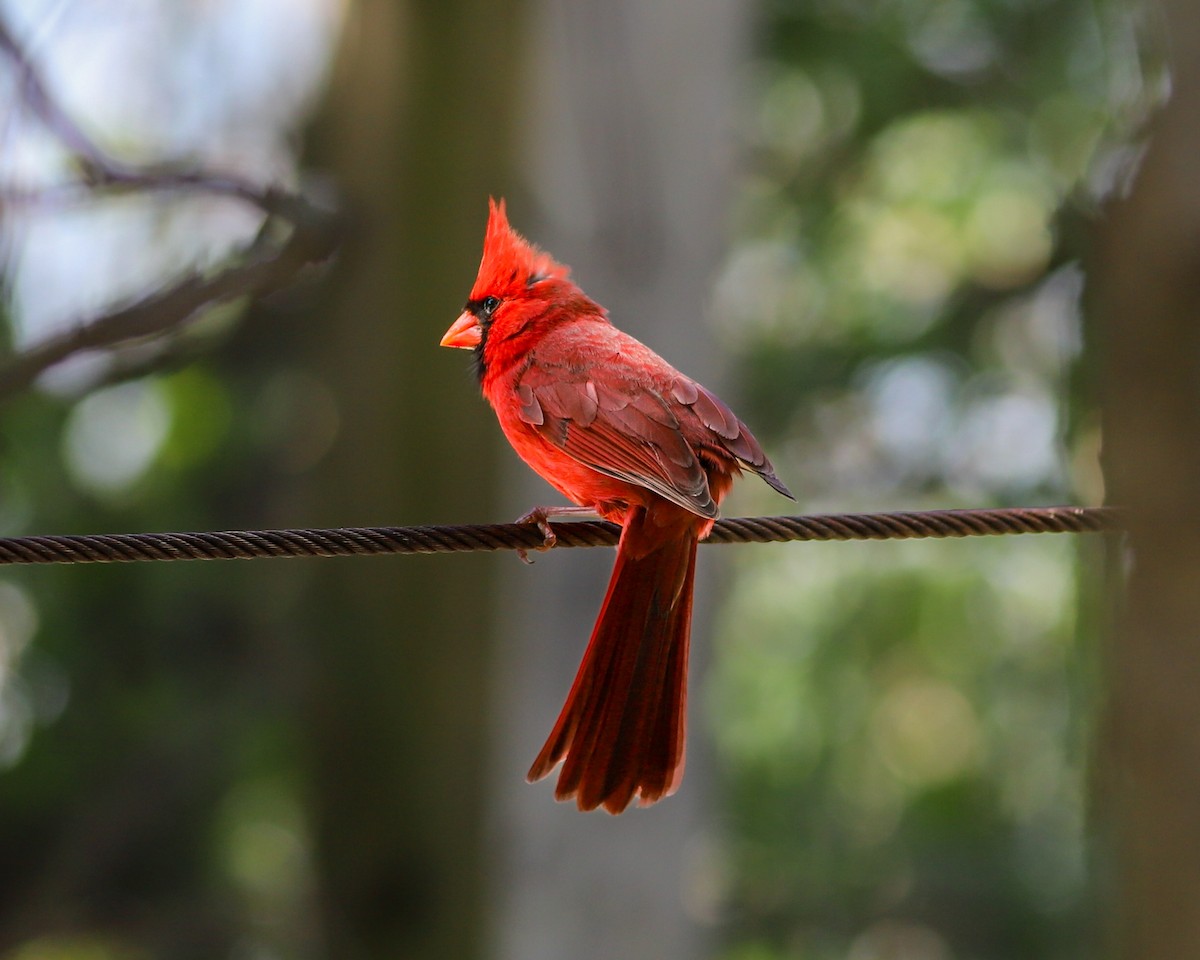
(623, 434)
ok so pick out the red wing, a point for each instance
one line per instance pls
(625, 431)
(725, 430)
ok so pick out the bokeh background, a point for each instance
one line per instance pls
(866, 224)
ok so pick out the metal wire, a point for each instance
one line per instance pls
(374, 541)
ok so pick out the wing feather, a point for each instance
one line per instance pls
(528, 408)
(635, 418)
(630, 434)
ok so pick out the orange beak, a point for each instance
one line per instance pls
(465, 332)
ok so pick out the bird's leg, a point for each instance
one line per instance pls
(541, 516)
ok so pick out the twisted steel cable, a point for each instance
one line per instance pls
(374, 541)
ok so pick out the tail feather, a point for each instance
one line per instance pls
(621, 732)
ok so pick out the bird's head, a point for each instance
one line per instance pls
(515, 285)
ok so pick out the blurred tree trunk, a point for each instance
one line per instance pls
(415, 131)
(631, 146)
(1148, 294)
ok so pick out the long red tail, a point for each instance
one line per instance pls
(621, 730)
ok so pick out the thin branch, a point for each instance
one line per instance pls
(260, 268)
(262, 271)
(101, 169)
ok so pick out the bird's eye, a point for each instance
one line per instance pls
(489, 305)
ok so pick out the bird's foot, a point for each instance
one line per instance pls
(541, 517)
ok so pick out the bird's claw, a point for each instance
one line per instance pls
(540, 517)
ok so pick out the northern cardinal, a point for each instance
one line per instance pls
(623, 434)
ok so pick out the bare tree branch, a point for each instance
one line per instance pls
(265, 265)
(101, 169)
(259, 273)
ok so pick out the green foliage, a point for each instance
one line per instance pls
(903, 727)
(142, 730)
